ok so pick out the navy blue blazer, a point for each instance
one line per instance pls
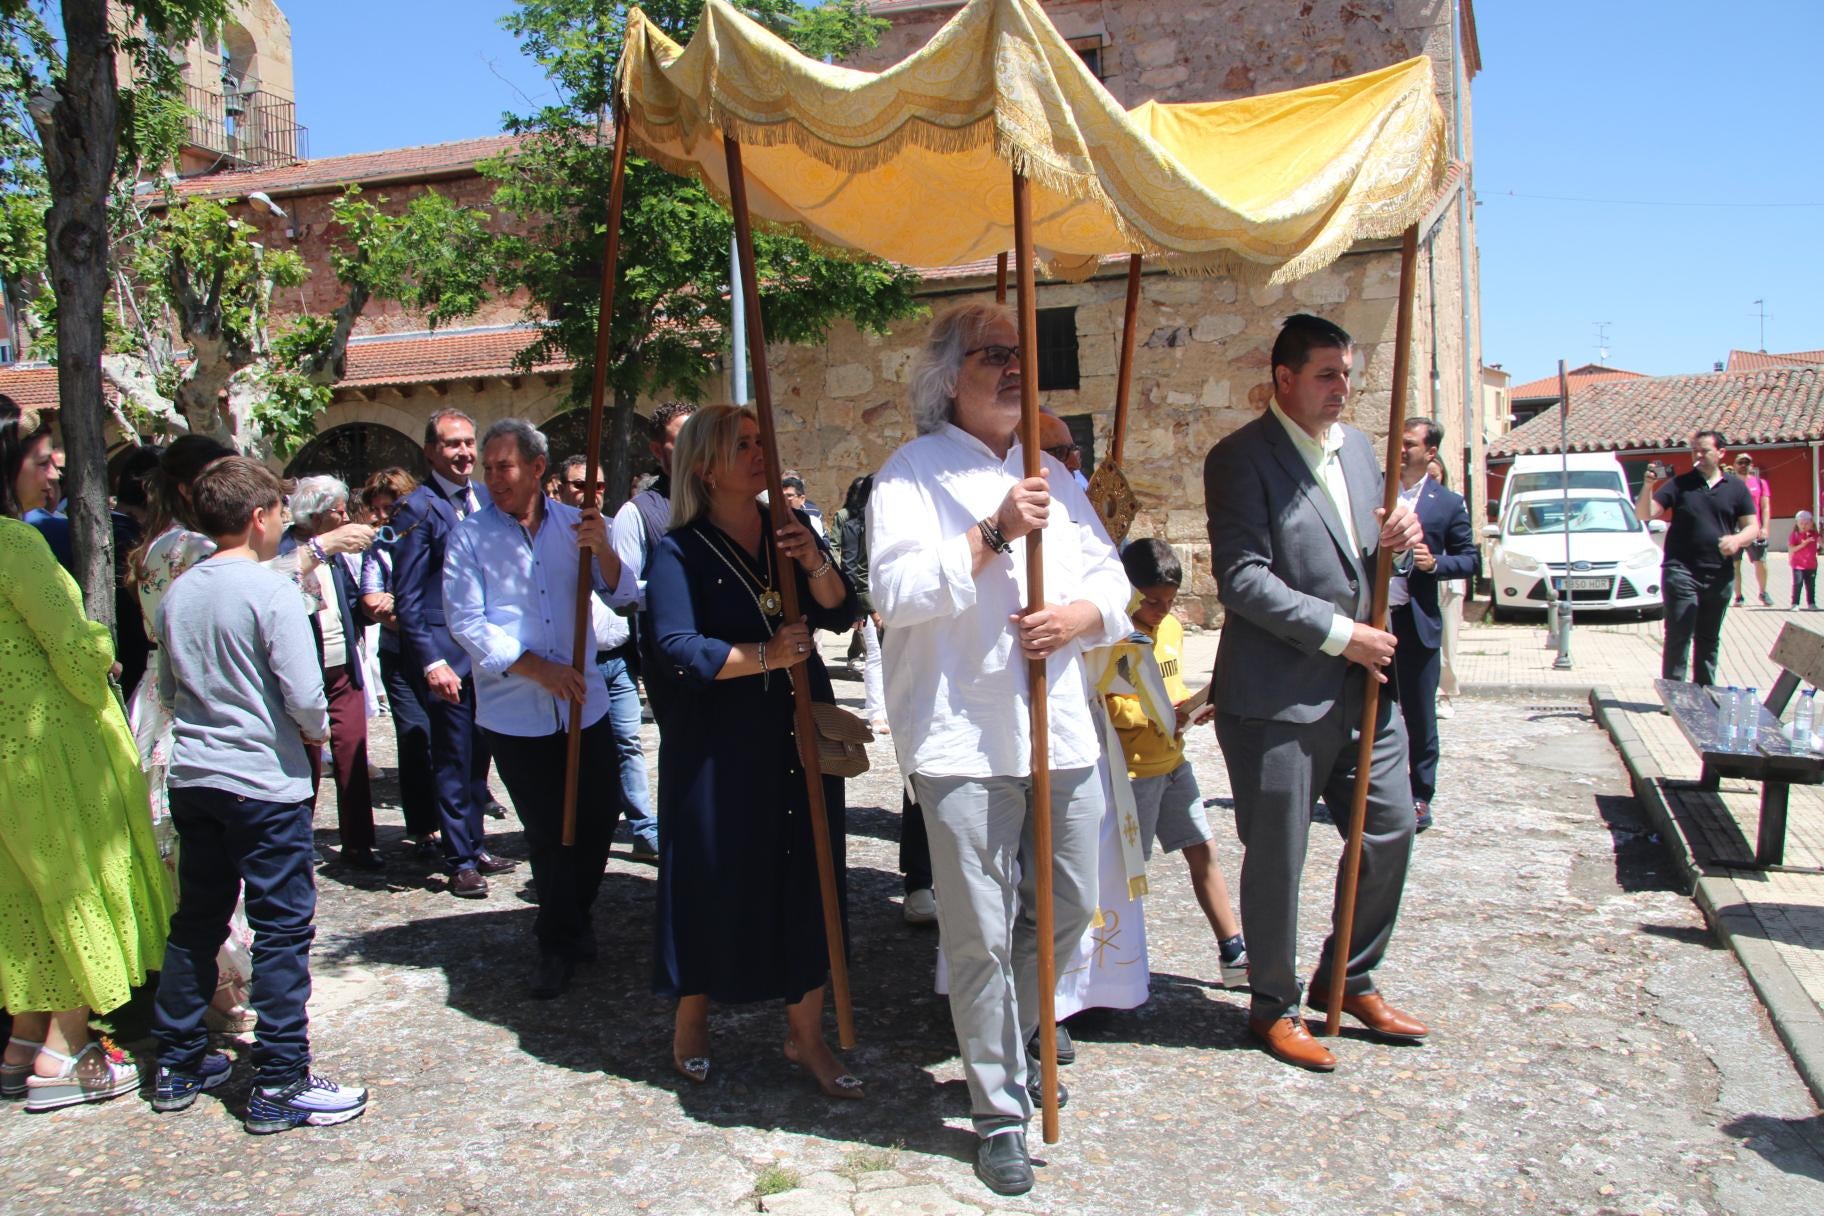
(348, 596)
(1445, 519)
(423, 520)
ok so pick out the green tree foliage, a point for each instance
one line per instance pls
(672, 309)
(199, 273)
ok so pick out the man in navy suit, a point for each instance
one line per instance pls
(423, 521)
(1449, 551)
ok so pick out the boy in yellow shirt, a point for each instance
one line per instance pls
(1166, 798)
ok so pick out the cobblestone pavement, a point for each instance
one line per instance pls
(1594, 1051)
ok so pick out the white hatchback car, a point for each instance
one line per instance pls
(1614, 558)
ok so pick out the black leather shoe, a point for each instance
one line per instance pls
(467, 884)
(493, 810)
(1067, 1050)
(362, 859)
(1035, 1087)
(551, 978)
(1003, 1164)
(487, 863)
(1422, 811)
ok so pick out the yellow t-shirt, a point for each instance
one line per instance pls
(1150, 753)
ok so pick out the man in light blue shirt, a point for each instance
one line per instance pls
(510, 596)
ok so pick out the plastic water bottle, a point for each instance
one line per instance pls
(1749, 729)
(1803, 717)
(1728, 710)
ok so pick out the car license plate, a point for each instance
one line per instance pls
(1585, 583)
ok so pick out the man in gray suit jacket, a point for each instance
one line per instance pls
(1293, 502)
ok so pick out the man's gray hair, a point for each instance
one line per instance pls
(531, 440)
(313, 498)
(940, 360)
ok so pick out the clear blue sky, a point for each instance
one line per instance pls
(1666, 103)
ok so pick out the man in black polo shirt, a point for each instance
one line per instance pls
(1713, 518)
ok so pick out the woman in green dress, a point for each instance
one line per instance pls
(84, 899)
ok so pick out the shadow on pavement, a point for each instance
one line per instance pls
(1793, 1146)
(611, 1022)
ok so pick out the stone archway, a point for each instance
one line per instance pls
(568, 434)
(356, 450)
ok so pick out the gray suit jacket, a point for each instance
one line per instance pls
(1283, 567)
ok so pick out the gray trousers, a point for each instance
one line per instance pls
(980, 828)
(1278, 771)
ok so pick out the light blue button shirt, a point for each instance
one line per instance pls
(507, 592)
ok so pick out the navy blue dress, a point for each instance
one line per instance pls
(740, 917)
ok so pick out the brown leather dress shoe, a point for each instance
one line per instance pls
(1383, 1019)
(488, 863)
(467, 884)
(1286, 1038)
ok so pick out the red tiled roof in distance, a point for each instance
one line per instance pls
(1778, 405)
(423, 358)
(431, 358)
(31, 388)
(1756, 360)
(330, 172)
(1590, 373)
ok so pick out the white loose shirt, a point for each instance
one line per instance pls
(956, 682)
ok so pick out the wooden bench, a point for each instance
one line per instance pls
(1777, 762)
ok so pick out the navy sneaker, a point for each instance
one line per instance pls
(309, 1101)
(176, 1088)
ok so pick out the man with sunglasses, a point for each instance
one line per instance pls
(1713, 517)
(1056, 439)
(1756, 552)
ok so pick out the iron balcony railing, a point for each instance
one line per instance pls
(255, 129)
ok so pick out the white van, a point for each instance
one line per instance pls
(1590, 471)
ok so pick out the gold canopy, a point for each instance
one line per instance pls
(912, 163)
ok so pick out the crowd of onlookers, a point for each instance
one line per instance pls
(502, 619)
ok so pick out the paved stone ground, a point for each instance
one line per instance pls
(1595, 1051)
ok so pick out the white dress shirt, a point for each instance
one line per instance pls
(628, 535)
(956, 682)
(1398, 592)
(1324, 457)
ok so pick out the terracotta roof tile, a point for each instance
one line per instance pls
(1777, 405)
(31, 388)
(1589, 373)
(372, 362)
(425, 160)
(430, 358)
(1755, 360)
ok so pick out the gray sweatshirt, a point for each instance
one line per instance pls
(237, 665)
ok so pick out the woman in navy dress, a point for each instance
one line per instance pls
(739, 911)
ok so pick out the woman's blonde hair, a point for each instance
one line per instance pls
(706, 447)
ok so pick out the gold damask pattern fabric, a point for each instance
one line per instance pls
(913, 163)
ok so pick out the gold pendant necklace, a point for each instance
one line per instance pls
(768, 600)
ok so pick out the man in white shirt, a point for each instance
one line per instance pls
(947, 571)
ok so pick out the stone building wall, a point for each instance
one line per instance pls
(1200, 371)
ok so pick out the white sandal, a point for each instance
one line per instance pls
(12, 1076)
(96, 1073)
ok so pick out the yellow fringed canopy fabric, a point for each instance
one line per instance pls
(912, 163)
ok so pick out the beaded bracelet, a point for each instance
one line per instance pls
(828, 565)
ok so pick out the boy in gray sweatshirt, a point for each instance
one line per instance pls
(237, 666)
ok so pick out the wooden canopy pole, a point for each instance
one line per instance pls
(1000, 278)
(805, 730)
(1041, 717)
(1124, 374)
(1341, 944)
(581, 650)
